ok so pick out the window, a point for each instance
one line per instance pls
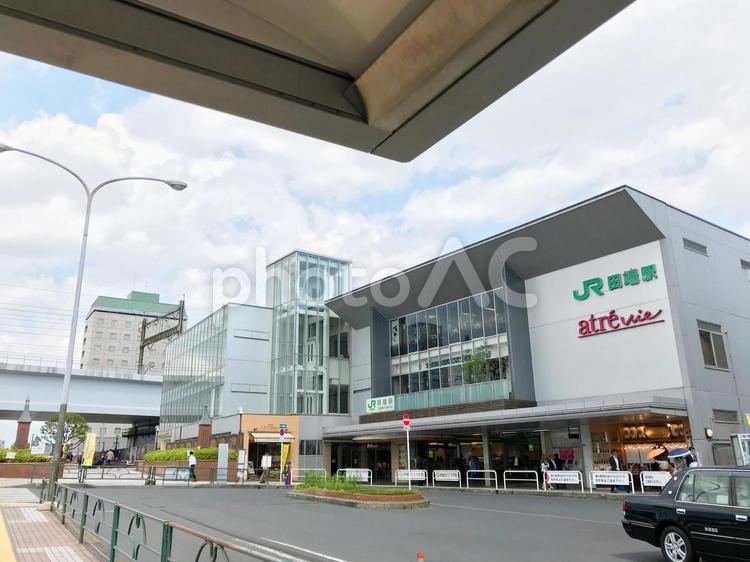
(745, 268)
(102, 430)
(97, 347)
(124, 363)
(411, 327)
(117, 431)
(742, 489)
(126, 350)
(112, 335)
(95, 361)
(712, 345)
(128, 324)
(126, 337)
(98, 335)
(695, 247)
(310, 447)
(465, 319)
(442, 317)
(111, 349)
(110, 362)
(113, 323)
(726, 416)
(705, 487)
(100, 321)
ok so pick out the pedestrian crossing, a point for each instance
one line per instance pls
(16, 496)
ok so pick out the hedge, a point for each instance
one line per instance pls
(23, 455)
(208, 454)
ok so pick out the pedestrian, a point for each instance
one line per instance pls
(693, 460)
(192, 461)
(546, 464)
(558, 464)
(109, 457)
(672, 469)
(614, 464)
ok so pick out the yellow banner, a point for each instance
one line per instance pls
(285, 449)
(88, 450)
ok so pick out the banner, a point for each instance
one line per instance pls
(610, 478)
(285, 450)
(88, 450)
(563, 477)
(655, 479)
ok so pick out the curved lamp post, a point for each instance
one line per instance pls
(90, 193)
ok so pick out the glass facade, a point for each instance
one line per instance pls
(194, 372)
(310, 348)
(464, 342)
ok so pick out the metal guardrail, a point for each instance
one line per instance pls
(361, 475)
(298, 474)
(120, 532)
(446, 476)
(488, 475)
(513, 472)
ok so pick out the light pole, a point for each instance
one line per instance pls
(90, 193)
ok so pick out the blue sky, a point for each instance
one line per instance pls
(656, 98)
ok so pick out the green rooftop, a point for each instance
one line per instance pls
(136, 302)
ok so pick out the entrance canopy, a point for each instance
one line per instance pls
(391, 77)
(264, 437)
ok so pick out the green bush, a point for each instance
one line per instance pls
(23, 455)
(208, 454)
(315, 481)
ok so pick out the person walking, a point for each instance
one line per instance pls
(265, 465)
(693, 459)
(614, 464)
(109, 457)
(546, 464)
(192, 462)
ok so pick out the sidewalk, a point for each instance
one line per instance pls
(29, 535)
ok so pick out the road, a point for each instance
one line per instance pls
(458, 526)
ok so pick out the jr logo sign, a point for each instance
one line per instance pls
(615, 281)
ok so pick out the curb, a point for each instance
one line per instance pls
(553, 494)
(359, 503)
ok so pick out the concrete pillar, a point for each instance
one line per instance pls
(23, 427)
(587, 451)
(486, 455)
(204, 430)
(327, 456)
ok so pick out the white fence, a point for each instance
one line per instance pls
(446, 476)
(407, 475)
(653, 479)
(298, 474)
(558, 477)
(610, 478)
(488, 475)
(513, 478)
(362, 475)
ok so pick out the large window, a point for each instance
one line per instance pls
(742, 490)
(462, 342)
(713, 345)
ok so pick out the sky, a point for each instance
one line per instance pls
(656, 98)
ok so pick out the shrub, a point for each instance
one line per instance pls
(315, 481)
(208, 454)
(23, 455)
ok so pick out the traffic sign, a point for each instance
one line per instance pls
(282, 426)
(407, 421)
(282, 431)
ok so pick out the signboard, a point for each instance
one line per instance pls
(654, 479)
(610, 478)
(357, 474)
(282, 426)
(615, 281)
(282, 431)
(747, 419)
(222, 463)
(446, 476)
(176, 473)
(613, 322)
(404, 475)
(382, 404)
(563, 477)
(406, 419)
(89, 447)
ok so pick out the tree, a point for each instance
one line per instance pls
(474, 369)
(74, 433)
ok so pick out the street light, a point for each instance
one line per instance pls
(174, 184)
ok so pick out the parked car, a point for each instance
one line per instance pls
(701, 512)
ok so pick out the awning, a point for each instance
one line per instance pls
(268, 437)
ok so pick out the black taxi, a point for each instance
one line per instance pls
(701, 513)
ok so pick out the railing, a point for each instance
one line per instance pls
(488, 475)
(362, 475)
(446, 476)
(462, 394)
(653, 479)
(612, 478)
(512, 477)
(563, 478)
(120, 532)
(413, 475)
(299, 474)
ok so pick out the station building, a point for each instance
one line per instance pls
(617, 324)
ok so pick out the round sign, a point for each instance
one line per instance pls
(406, 419)
(282, 431)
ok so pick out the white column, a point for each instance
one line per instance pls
(588, 452)
(486, 455)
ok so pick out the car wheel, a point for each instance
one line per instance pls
(675, 546)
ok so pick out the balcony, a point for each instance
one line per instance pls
(465, 394)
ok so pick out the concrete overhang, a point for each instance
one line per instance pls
(597, 227)
(390, 77)
(604, 409)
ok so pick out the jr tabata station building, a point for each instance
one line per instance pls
(617, 324)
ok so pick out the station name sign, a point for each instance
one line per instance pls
(382, 404)
(615, 281)
(613, 322)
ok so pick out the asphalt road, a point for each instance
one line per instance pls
(459, 527)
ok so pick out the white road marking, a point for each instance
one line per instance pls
(331, 558)
(505, 512)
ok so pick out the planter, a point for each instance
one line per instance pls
(361, 500)
(28, 470)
